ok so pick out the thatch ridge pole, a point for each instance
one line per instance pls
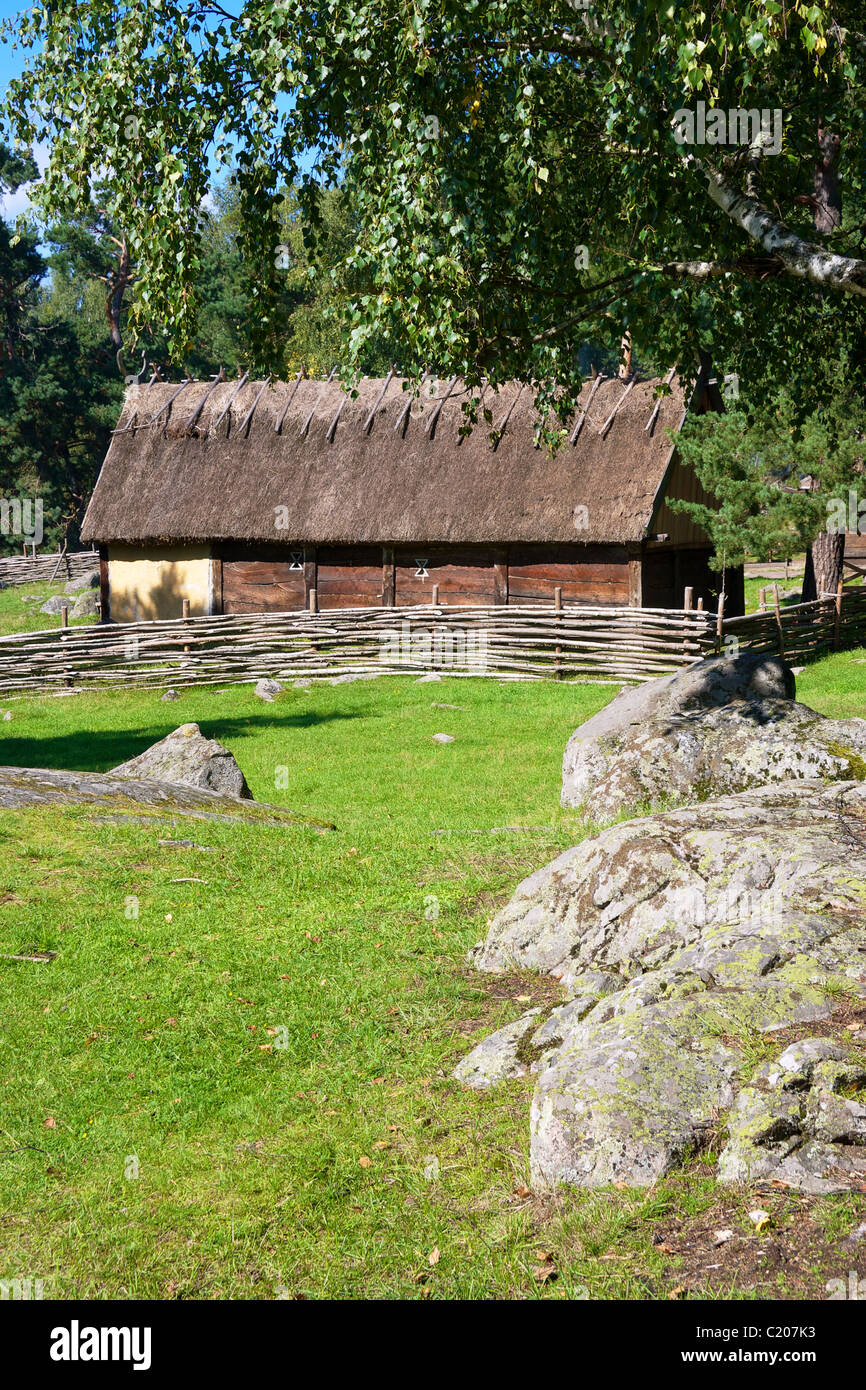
(249, 415)
(408, 406)
(654, 416)
(368, 423)
(306, 425)
(583, 414)
(244, 379)
(191, 422)
(173, 397)
(298, 379)
(611, 417)
(431, 423)
(332, 428)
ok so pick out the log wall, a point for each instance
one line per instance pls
(257, 579)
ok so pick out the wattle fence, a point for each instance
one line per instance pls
(614, 644)
(36, 569)
(571, 643)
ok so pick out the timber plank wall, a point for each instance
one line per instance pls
(261, 579)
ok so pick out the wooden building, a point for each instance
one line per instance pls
(251, 497)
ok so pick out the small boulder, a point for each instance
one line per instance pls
(54, 604)
(86, 605)
(188, 758)
(90, 580)
(268, 690)
(443, 738)
(497, 1057)
(7, 715)
(170, 694)
(431, 676)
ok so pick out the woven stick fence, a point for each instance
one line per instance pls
(21, 569)
(607, 644)
(802, 632)
(532, 642)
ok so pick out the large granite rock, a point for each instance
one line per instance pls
(678, 940)
(721, 726)
(187, 757)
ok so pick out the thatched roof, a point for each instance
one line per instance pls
(377, 469)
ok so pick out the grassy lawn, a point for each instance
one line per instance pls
(16, 615)
(789, 593)
(263, 1028)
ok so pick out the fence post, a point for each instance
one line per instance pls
(185, 612)
(688, 597)
(314, 600)
(64, 625)
(557, 605)
(763, 601)
(837, 625)
(435, 598)
(779, 620)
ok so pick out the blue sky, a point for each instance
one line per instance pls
(11, 65)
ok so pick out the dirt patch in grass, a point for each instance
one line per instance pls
(490, 992)
(807, 1242)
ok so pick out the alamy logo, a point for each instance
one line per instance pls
(850, 516)
(441, 647)
(22, 517)
(77, 1343)
(855, 1287)
(22, 1290)
(760, 130)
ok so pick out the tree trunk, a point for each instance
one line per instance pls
(823, 565)
(826, 553)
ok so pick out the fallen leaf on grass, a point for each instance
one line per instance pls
(50, 1122)
(434, 1257)
(522, 1191)
(679, 1292)
(365, 1162)
(546, 1273)
(760, 1220)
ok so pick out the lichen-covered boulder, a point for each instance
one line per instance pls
(268, 690)
(792, 1123)
(55, 604)
(678, 939)
(88, 580)
(86, 605)
(185, 756)
(498, 1056)
(721, 726)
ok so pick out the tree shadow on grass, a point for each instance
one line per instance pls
(100, 750)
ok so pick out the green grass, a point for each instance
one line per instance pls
(836, 686)
(338, 1164)
(18, 616)
(789, 593)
